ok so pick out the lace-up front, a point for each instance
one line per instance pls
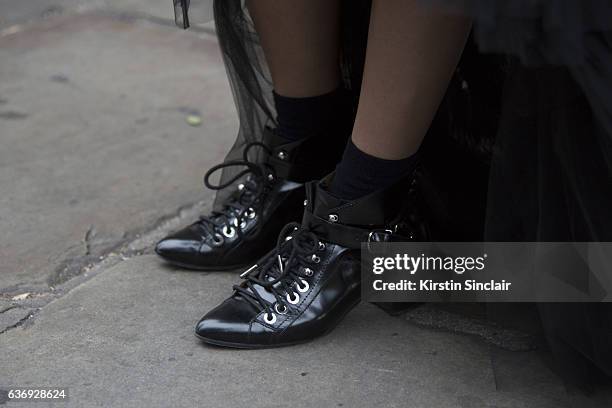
(245, 203)
(284, 273)
(307, 283)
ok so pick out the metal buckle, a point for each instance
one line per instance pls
(371, 234)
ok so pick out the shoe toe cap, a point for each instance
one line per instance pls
(186, 246)
(171, 246)
(181, 252)
(228, 323)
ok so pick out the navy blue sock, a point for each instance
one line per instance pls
(359, 174)
(298, 118)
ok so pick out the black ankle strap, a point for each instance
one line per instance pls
(344, 235)
(349, 236)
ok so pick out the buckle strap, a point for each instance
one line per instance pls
(346, 235)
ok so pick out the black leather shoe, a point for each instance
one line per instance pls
(304, 287)
(251, 218)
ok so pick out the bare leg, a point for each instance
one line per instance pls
(411, 54)
(301, 40)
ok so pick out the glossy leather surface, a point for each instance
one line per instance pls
(195, 247)
(334, 291)
(333, 288)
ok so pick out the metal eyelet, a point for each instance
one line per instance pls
(305, 288)
(270, 320)
(270, 177)
(217, 239)
(281, 311)
(333, 217)
(293, 301)
(314, 258)
(289, 237)
(282, 155)
(229, 231)
(240, 187)
(321, 246)
(251, 213)
(242, 223)
(305, 203)
(308, 272)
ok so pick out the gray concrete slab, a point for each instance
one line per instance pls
(95, 145)
(20, 12)
(125, 338)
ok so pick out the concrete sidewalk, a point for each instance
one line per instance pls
(97, 163)
(125, 338)
(96, 147)
(32, 11)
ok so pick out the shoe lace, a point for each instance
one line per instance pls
(284, 269)
(242, 205)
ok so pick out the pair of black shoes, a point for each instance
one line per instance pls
(302, 245)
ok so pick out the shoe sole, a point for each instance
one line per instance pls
(211, 268)
(244, 346)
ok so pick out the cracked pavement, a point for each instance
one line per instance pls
(96, 154)
(98, 162)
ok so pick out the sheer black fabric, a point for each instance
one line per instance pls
(186, 13)
(521, 147)
(551, 168)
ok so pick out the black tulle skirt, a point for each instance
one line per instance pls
(520, 149)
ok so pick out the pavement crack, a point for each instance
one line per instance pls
(19, 323)
(7, 308)
(89, 236)
(74, 271)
